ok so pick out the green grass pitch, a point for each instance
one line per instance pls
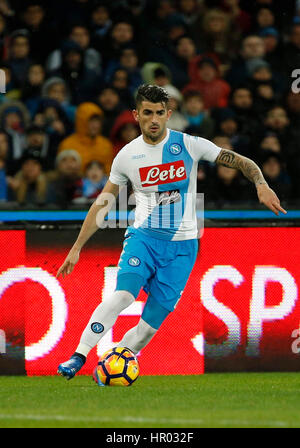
(239, 400)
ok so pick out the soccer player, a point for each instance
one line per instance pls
(160, 248)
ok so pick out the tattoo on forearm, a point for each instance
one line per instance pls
(246, 166)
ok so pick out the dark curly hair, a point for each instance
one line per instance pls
(151, 93)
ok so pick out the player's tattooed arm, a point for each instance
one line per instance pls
(249, 168)
(252, 172)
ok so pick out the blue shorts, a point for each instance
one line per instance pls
(160, 267)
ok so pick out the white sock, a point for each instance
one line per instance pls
(102, 319)
(138, 337)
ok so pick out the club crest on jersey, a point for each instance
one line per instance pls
(134, 261)
(175, 149)
(162, 174)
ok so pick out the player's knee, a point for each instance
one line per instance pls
(123, 298)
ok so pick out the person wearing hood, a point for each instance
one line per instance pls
(87, 139)
(19, 55)
(79, 34)
(124, 130)
(215, 91)
(14, 119)
(82, 82)
(56, 89)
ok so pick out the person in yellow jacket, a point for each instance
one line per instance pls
(87, 139)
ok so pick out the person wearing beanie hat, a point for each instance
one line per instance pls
(65, 182)
(82, 82)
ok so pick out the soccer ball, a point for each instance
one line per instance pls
(116, 367)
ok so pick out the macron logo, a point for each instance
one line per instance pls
(162, 174)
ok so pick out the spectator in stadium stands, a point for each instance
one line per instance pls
(195, 114)
(215, 91)
(3, 182)
(252, 48)
(56, 89)
(273, 48)
(158, 13)
(32, 87)
(184, 51)
(189, 10)
(100, 22)
(4, 152)
(44, 144)
(260, 73)
(293, 108)
(65, 182)
(3, 33)
(264, 18)
(229, 187)
(94, 180)
(79, 34)
(14, 119)
(12, 91)
(277, 121)
(268, 143)
(36, 22)
(29, 185)
(275, 174)
(241, 19)
(19, 58)
(120, 81)
(264, 99)
(82, 82)
(206, 170)
(120, 35)
(177, 121)
(241, 103)
(53, 119)
(87, 139)
(217, 34)
(291, 50)
(128, 61)
(124, 131)
(227, 124)
(109, 101)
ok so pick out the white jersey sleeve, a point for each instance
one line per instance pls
(201, 149)
(117, 173)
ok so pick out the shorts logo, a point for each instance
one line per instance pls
(134, 261)
(175, 149)
(97, 327)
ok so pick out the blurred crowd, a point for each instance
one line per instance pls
(72, 68)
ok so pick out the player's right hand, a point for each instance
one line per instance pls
(69, 263)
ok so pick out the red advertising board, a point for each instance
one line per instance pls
(241, 303)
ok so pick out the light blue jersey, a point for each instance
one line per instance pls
(164, 180)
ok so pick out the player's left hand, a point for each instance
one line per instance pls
(269, 198)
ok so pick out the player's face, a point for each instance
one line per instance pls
(152, 118)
